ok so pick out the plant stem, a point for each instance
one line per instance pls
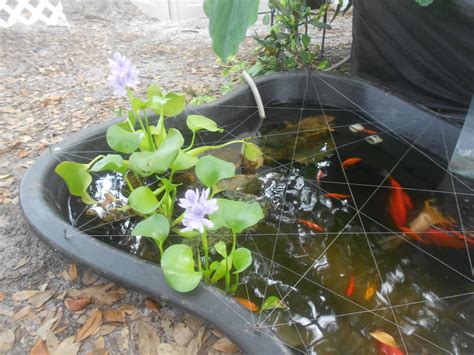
(199, 150)
(130, 186)
(159, 190)
(178, 220)
(94, 160)
(148, 132)
(206, 249)
(234, 242)
(227, 275)
(192, 142)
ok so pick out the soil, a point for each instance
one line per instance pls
(53, 81)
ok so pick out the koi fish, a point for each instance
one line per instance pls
(369, 131)
(351, 161)
(399, 203)
(386, 344)
(336, 195)
(319, 176)
(445, 238)
(350, 287)
(311, 225)
(409, 232)
(370, 291)
(247, 304)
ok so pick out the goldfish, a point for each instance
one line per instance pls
(399, 203)
(336, 195)
(313, 226)
(409, 232)
(386, 344)
(369, 131)
(247, 304)
(351, 161)
(319, 176)
(370, 290)
(444, 238)
(350, 287)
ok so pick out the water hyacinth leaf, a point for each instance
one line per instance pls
(221, 249)
(197, 122)
(138, 104)
(157, 103)
(219, 268)
(178, 268)
(175, 104)
(184, 161)
(211, 170)
(111, 162)
(241, 258)
(76, 177)
(228, 23)
(272, 302)
(143, 200)
(129, 124)
(156, 227)
(123, 141)
(237, 215)
(153, 90)
(157, 162)
(424, 2)
(173, 140)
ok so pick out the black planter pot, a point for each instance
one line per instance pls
(44, 196)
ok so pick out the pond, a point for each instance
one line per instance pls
(331, 245)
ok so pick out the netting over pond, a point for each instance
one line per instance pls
(330, 246)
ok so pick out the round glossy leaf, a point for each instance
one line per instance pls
(174, 139)
(272, 302)
(237, 215)
(183, 161)
(123, 141)
(221, 248)
(197, 122)
(175, 104)
(156, 227)
(111, 162)
(219, 268)
(157, 162)
(241, 258)
(75, 175)
(143, 200)
(211, 170)
(153, 90)
(178, 268)
(252, 152)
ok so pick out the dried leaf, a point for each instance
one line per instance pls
(72, 271)
(99, 343)
(112, 316)
(2, 296)
(7, 340)
(45, 328)
(67, 347)
(22, 263)
(128, 310)
(24, 295)
(39, 348)
(152, 305)
(88, 278)
(148, 339)
(22, 154)
(40, 298)
(78, 304)
(107, 329)
(225, 345)
(90, 326)
(105, 294)
(384, 338)
(22, 313)
(182, 334)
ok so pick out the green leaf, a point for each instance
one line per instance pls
(157, 162)
(211, 170)
(123, 141)
(221, 249)
(272, 302)
(236, 215)
(156, 227)
(178, 268)
(252, 152)
(143, 200)
(228, 23)
(320, 25)
(111, 162)
(324, 64)
(138, 104)
(197, 122)
(424, 2)
(219, 268)
(242, 259)
(76, 176)
(183, 161)
(153, 90)
(175, 104)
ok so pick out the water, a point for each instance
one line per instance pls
(423, 291)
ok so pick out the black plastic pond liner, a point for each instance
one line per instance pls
(44, 196)
(423, 53)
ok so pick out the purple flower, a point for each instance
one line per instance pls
(123, 74)
(197, 206)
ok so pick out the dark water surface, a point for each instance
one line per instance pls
(423, 292)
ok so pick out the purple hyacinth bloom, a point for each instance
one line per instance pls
(197, 206)
(123, 74)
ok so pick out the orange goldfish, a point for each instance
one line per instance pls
(445, 238)
(386, 344)
(350, 287)
(399, 203)
(370, 290)
(313, 226)
(319, 176)
(247, 304)
(351, 161)
(369, 131)
(336, 195)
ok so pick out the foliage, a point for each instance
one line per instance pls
(148, 155)
(424, 2)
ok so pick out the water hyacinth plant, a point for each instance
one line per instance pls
(148, 157)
